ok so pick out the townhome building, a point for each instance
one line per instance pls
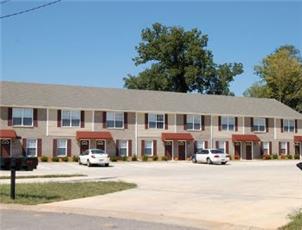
(60, 120)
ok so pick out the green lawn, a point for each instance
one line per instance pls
(38, 193)
(44, 176)
(296, 222)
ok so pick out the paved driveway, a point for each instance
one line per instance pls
(236, 196)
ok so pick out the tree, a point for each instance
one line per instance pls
(281, 77)
(179, 62)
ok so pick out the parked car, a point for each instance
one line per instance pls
(210, 156)
(94, 157)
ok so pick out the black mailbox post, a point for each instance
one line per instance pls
(13, 178)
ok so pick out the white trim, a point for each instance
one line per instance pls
(228, 124)
(66, 147)
(164, 120)
(211, 125)
(243, 125)
(70, 119)
(136, 135)
(152, 150)
(193, 123)
(275, 129)
(119, 144)
(47, 122)
(114, 119)
(288, 121)
(175, 126)
(36, 147)
(22, 117)
(252, 144)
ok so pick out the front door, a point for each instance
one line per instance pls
(5, 148)
(248, 151)
(237, 150)
(100, 144)
(84, 145)
(168, 149)
(181, 150)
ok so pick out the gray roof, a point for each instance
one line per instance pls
(93, 98)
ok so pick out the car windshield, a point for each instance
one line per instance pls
(97, 151)
(217, 151)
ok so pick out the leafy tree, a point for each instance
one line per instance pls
(180, 62)
(281, 77)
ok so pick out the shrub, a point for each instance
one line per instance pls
(134, 158)
(124, 158)
(65, 159)
(275, 156)
(75, 158)
(113, 158)
(289, 156)
(297, 157)
(145, 158)
(55, 159)
(266, 157)
(44, 158)
(164, 158)
(237, 157)
(283, 157)
(155, 158)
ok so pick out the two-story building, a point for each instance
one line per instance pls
(60, 120)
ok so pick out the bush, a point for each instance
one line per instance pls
(164, 158)
(55, 159)
(75, 158)
(237, 157)
(297, 157)
(134, 158)
(65, 159)
(266, 157)
(283, 157)
(289, 156)
(145, 158)
(124, 158)
(113, 158)
(155, 158)
(275, 156)
(44, 158)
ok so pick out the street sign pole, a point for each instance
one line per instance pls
(13, 179)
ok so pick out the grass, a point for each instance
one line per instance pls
(44, 176)
(296, 222)
(37, 193)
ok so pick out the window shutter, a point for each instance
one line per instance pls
(58, 118)
(143, 148)
(146, 121)
(236, 124)
(10, 117)
(54, 147)
(227, 147)
(267, 124)
(166, 121)
(195, 146)
(82, 119)
(35, 117)
(252, 124)
(206, 144)
(125, 120)
(185, 121)
(279, 147)
(39, 150)
(270, 148)
(117, 148)
(281, 121)
(69, 147)
(261, 148)
(219, 123)
(288, 147)
(296, 126)
(24, 146)
(202, 122)
(129, 148)
(217, 144)
(104, 120)
(154, 147)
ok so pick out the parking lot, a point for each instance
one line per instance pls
(239, 195)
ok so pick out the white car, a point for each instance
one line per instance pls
(210, 156)
(94, 157)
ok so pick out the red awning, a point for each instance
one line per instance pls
(298, 138)
(8, 133)
(245, 137)
(93, 135)
(176, 137)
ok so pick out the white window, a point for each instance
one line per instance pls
(115, 120)
(22, 117)
(288, 125)
(221, 145)
(228, 123)
(71, 118)
(265, 147)
(283, 148)
(148, 150)
(61, 147)
(193, 122)
(259, 124)
(156, 121)
(31, 147)
(200, 145)
(123, 148)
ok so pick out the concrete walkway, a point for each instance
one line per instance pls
(242, 195)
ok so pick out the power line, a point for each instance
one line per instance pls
(31, 9)
(4, 1)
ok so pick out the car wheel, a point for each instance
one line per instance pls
(194, 160)
(79, 162)
(88, 163)
(209, 161)
(106, 165)
(223, 163)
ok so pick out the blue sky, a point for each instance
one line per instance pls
(93, 43)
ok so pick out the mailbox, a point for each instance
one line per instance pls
(19, 163)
